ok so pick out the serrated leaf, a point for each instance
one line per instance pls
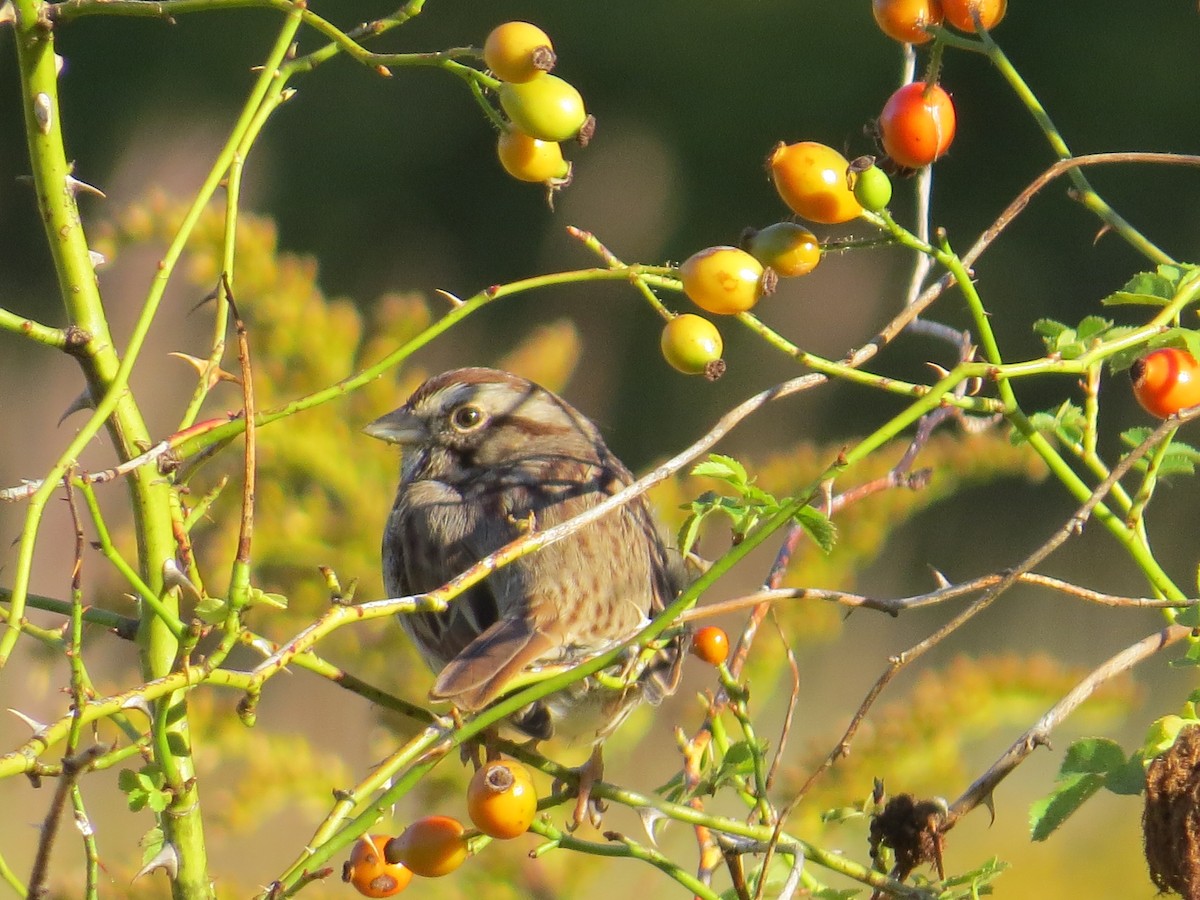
(818, 526)
(1047, 814)
(1130, 779)
(1153, 283)
(725, 468)
(128, 781)
(1172, 273)
(1092, 756)
(158, 800)
(1092, 326)
(1133, 437)
(1189, 617)
(1049, 328)
(151, 843)
(740, 757)
(1174, 465)
(1191, 658)
(689, 532)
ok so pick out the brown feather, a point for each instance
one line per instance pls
(523, 458)
(479, 674)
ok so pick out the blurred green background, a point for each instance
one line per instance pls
(392, 184)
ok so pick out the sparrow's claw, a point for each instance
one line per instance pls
(587, 807)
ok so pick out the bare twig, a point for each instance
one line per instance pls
(1071, 527)
(896, 605)
(73, 767)
(1039, 733)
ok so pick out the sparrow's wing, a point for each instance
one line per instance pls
(481, 672)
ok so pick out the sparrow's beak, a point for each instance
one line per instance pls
(399, 427)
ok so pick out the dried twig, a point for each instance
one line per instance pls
(1039, 733)
(1072, 526)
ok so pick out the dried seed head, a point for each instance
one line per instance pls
(1171, 820)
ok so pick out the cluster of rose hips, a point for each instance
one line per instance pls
(918, 121)
(907, 21)
(818, 184)
(542, 109)
(915, 128)
(501, 802)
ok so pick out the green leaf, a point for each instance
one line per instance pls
(259, 597)
(1128, 298)
(739, 761)
(151, 843)
(979, 879)
(1153, 284)
(1133, 437)
(1130, 779)
(212, 610)
(1092, 756)
(1049, 328)
(1066, 423)
(158, 800)
(818, 526)
(128, 781)
(1191, 658)
(1092, 327)
(725, 468)
(1188, 616)
(1047, 814)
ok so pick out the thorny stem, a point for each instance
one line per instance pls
(1038, 735)
(1073, 526)
(1086, 193)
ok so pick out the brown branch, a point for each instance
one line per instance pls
(1072, 526)
(895, 605)
(1039, 733)
(72, 768)
(250, 465)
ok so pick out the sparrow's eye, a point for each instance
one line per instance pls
(467, 418)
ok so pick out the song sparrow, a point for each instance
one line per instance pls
(486, 456)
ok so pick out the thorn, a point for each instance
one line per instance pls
(990, 802)
(75, 186)
(215, 376)
(454, 301)
(83, 401)
(651, 819)
(941, 371)
(263, 646)
(34, 725)
(942, 580)
(8, 15)
(138, 702)
(98, 259)
(173, 577)
(167, 859)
